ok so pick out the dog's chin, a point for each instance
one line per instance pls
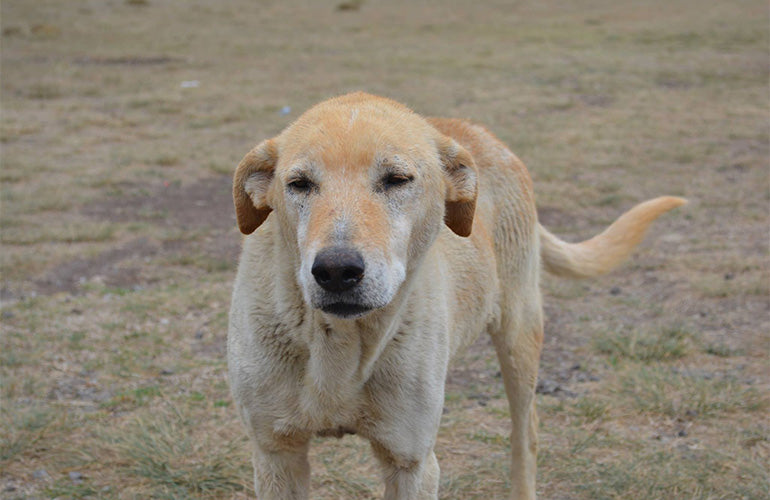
(345, 310)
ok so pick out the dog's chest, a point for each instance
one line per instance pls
(318, 384)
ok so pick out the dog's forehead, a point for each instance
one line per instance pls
(357, 133)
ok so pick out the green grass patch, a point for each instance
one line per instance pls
(662, 390)
(590, 409)
(176, 459)
(675, 474)
(463, 482)
(74, 232)
(659, 344)
(599, 466)
(22, 428)
(489, 438)
(722, 350)
(133, 398)
(67, 488)
(344, 468)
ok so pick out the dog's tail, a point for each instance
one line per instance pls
(605, 251)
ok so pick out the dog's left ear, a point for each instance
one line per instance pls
(250, 184)
(462, 186)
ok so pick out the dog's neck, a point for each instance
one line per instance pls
(342, 353)
(357, 343)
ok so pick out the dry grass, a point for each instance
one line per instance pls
(119, 247)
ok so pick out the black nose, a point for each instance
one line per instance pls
(337, 269)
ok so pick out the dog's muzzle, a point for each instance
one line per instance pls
(338, 270)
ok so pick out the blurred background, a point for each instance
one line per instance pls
(121, 124)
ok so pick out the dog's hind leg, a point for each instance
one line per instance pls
(518, 342)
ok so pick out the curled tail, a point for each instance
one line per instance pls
(604, 251)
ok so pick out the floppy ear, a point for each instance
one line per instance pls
(250, 184)
(461, 180)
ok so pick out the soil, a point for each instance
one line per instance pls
(203, 209)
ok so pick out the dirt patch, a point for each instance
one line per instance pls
(128, 61)
(560, 366)
(206, 203)
(203, 208)
(70, 276)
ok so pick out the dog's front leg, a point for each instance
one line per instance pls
(403, 441)
(282, 474)
(413, 480)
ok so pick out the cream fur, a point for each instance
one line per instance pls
(455, 251)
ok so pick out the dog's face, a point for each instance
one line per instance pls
(361, 187)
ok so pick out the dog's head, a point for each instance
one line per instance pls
(361, 186)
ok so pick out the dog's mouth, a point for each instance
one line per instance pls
(346, 310)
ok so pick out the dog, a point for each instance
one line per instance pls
(379, 245)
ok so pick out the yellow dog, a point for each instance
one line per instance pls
(380, 245)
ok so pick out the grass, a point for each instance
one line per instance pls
(591, 409)
(681, 394)
(660, 344)
(675, 474)
(72, 232)
(722, 350)
(163, 452)
(21, 430)
(120, 376)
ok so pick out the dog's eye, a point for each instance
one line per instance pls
(300, 184)
(393, 180)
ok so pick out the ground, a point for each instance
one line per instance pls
(123, 120)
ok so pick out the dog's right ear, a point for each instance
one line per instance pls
(250, 184)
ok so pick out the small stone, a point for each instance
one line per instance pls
(615, 290)
(7, 315)
(199, 334)
(76, 477)
(545, 386)
(41, 474)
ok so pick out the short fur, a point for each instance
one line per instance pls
(454, 250)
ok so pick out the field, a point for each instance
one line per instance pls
(122, 122)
